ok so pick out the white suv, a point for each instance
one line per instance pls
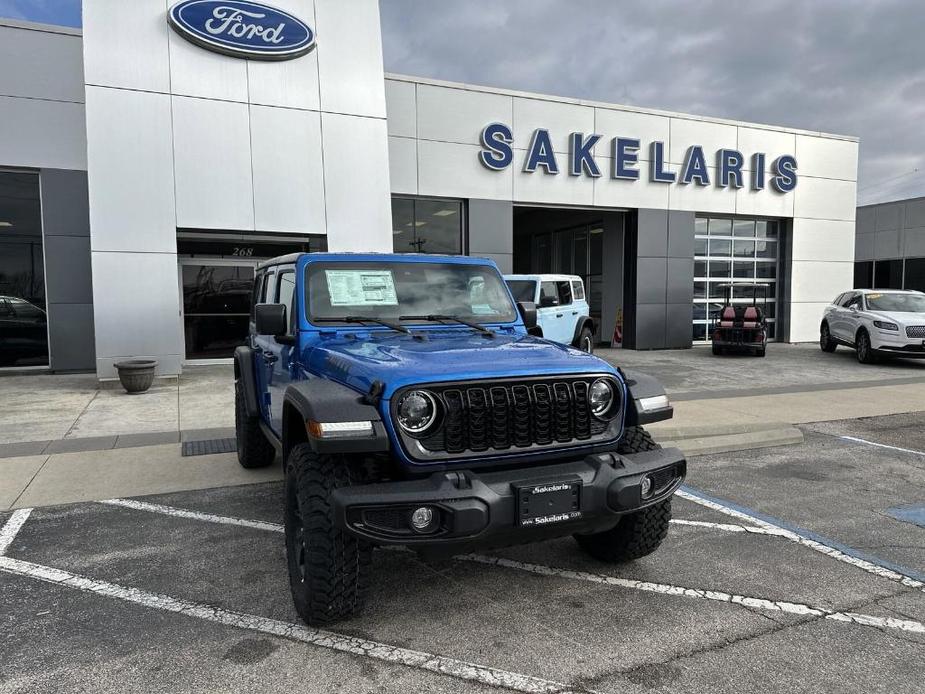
(561, 307)
(876, 323)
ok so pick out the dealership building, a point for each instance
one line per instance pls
(890, 245)
(144, 173)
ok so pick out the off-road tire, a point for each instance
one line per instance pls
(328, 568)
(826, 343)
(717, 350)
(761, 351)
(865, 352)
(586, 341)
(637, 534)
(254, 450)
(636, 440)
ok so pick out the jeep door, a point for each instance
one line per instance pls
(264, 286)
(280, 352)
(552, 316)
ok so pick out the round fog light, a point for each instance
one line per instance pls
(422, 518)
(645, 487)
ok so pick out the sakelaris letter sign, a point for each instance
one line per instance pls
(242, 29)
(497, 154)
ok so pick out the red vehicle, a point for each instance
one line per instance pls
(741, 327)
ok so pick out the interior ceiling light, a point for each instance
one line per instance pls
(6, 224)
(419, 224)
(444, 213)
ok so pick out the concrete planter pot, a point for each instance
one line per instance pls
(136, 375)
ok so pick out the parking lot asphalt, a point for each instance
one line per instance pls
(783, 571)
(694, 374)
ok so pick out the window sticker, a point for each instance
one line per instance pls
(361, 287)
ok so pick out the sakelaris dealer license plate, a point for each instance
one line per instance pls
(550, 502)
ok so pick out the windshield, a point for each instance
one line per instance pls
(387, 290)
(897, 303)
(523, 290)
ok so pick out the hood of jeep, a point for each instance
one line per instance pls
(452, 355)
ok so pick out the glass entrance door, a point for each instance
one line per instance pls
(216, 306)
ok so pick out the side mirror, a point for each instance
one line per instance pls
(853, 308)
(547, 301)
(528, 313)
(271, 319)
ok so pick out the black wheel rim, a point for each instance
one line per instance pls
(824, 338)
(862, 346)
(296, 537)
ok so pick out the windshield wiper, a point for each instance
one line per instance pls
(439, 318)
(361, 319)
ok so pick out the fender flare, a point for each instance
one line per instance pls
(326, 401)
(244, 372)
(583, 321)
(641, 386)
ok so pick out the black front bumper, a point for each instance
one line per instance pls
(483, 508)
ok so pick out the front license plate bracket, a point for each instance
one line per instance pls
(548, 502)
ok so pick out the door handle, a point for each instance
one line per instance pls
(574, 313)
(559, 315)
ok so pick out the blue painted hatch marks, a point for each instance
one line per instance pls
(242, 29)
(914, 514)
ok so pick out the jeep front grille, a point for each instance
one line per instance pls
(916, 331)
(511, 416)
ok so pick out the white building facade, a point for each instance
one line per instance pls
(156, 172)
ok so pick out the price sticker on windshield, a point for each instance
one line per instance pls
(361, 287)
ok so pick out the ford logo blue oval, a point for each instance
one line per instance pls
(242, 29)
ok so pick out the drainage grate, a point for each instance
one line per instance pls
(209, 447)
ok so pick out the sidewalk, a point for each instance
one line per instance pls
(53, 409)
(66, 438)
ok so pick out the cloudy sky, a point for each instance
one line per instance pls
(842, 66)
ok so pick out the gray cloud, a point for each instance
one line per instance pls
(848, 67)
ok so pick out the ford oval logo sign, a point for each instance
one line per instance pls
(242, 29)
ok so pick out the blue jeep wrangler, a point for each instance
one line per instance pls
(410, 407)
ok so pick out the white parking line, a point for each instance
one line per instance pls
(663, 589)
(420, 660)
(11, 528)
(832, 552)
(730, 527)
(194, 515)
(881, 445)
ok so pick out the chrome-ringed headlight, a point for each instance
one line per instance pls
(602, 397)
(417, 412)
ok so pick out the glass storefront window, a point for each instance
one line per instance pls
(736, 250)
(743, 249)
(720, 247)
(915, 274)
(719, 269)
(864, 275)
(743, 269)
(888, 274)
(720, 227)
(743, 227)
(427, 226)
(216, 308)
(23, 321)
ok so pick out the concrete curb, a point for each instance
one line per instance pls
(706, 444)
